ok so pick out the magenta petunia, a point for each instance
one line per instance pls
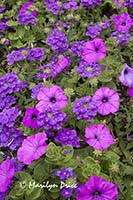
(130, 92)
(94, 50)
(98, 136)
(126, 76)
(30, 118)
(7, 171)
(51, 96)
(25, 8)
(107, 100)
(97, 188)
(33, 147)
(122, 22)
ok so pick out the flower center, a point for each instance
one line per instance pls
(123, 23)
(89, 69)
(96, 137)
(50, 115)
(126, 71)
(96, 193)
(52, 100)
(104, 100)
(97, 49)
(34, 117)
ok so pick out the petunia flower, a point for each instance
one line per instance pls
(130, 92)
(7, 171)
(98, 136)
(126, 76)
(107, 100)
(94, 50)
(97, 188)
(30, 118)
(33, 147)
(122, 22)
(51, 96)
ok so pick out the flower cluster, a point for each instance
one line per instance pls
(68, 137)
(58, 41)
(85, 108)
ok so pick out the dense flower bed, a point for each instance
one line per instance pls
(66, 100)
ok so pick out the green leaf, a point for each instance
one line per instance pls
(12, 23)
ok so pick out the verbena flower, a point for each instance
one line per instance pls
(6, 102)
(15, 56)
(1, 9)
(51, 118)
(66, 192)
(122, 22)
(33, 147)
(64, 173)
(76, 48)
(9, 84)
(51, 96)
(107, 100)
(126, 76)
(52, 6)
(26, 19)
(35, 90)
(97, 188)
(36, 54)
(85, 108)
(58, 41)
(68, 137)
(7, 171)
(93, 31)
(8, 116)
(98, 136)
(90, 3)
(88, 70)
(10, 138)
(94, 50)
(122, 37)
(30, 118)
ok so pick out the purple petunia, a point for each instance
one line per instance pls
(68, 137)
(98, 136)
(126, 76)
(122, 22)
(33, 147)
(88, 70)
(130, 92)
(51, 96)
(94, 50)
(97, 188)
(85, 108)
(36, 54)
(60, 66)
(7, 171)
(93, 31)
(107, 100)
(30, 118)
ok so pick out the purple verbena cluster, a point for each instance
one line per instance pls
(51, 118)
(90, 3)
(68, 137)
(58, 41)
(85, 108)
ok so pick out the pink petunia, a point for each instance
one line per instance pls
(33, 147)
(98, 136)
(25, 7)
(94, 50)
(130, 92)
(51, 96)
(7, 171)
(126, 76)
(107, 100)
